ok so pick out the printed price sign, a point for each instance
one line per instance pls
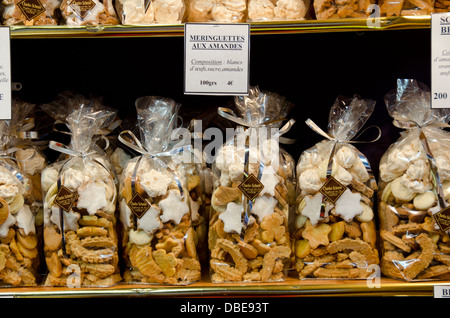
(440, 60)
(216, 59)
(5, 74)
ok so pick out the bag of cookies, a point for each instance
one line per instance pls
(80, 238)
(19, 250)
(335, 233)
(145, 12)
(216, 11)
(337, 9)
(414, 187)
(157, 228)
(90, 12)
(267, 10)
(248, 234)
(29, 12)
(408, 7)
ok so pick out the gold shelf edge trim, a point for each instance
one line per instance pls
(303, 26)
(387, 287)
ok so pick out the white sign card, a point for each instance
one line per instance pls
(216, 59)
(441, 291)
(5, 73)
(440, 60)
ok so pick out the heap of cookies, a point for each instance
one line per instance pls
(335, 234)
(80, 195)
(413, 244)
(267, 10)
(341, 9)
(158, 237)
(253, 185)
(18, 12)
(91, 12)
(19, 254)
(441, 6)
(142, 12)
(252, 245)
(406, 7)
(216, 11)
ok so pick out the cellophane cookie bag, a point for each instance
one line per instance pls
(30, 12)
(147, 12)
(409, 7)
(335, 234)
(90, 12)
(30, 158)
(248, 234)
(414, 187)
(280, 10)
(80, 238)
(335, 9)
(216, 11)
(19, 253)
(157, 227)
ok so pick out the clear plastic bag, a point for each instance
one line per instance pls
(89, 12)
(157, 227)
(145, 12)
(337, 9)
(19, 248)
(414, 247)
(284, 10)
(248, 234)
(80, 238)
(406, 7)
(30, 12)
(335, 234)
(216, 11)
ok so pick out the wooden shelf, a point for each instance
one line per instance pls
(286, 27)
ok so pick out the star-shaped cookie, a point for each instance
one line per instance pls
(232, 218)
(347, 206)
(173, 207)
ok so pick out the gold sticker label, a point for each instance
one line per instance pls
(65, 198)
(442, 218)
(138, 205)
(82, 7)
(332, 189)
(31, 8)
(251, 187)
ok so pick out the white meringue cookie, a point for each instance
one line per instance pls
(260, 10)
(359, 171)
(345, 157)
(309, 160)
(154, 182)
(9, 186)
(49, 176)
(168, 11)
(342, 175)
(310, 181)
(418, 170)
(290, 9)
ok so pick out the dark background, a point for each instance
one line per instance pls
(310, 70)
